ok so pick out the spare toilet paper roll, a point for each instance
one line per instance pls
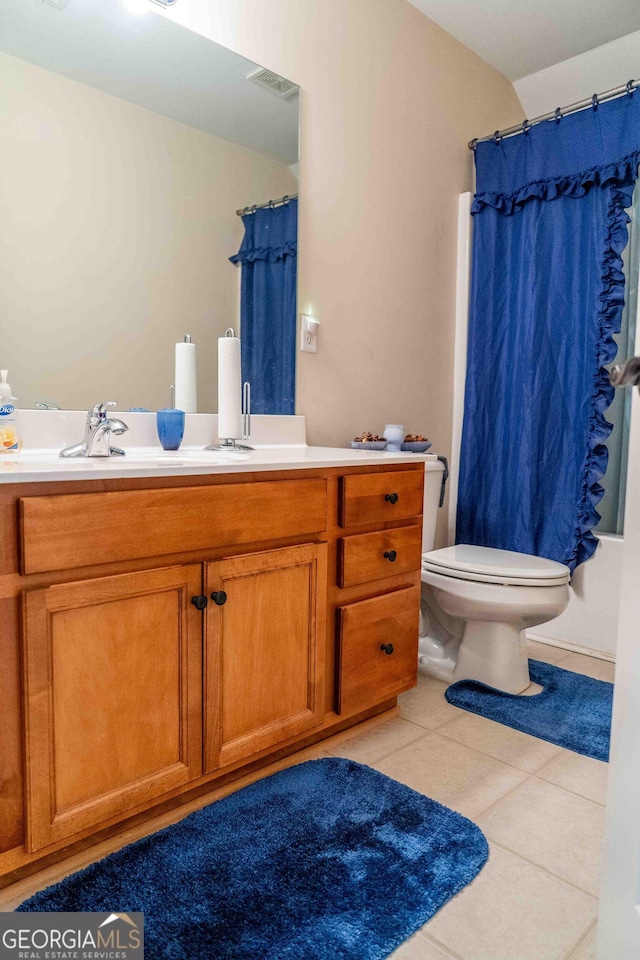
(229, 389)
(185, 377)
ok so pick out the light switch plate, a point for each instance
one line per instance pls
(309, 333)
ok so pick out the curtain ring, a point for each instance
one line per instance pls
(595, 102)
(254, 208)
(473, 144)
(285, 199)
(526, 126)
(558, 114)
(630, 88)
(271, 204)
(496, 137)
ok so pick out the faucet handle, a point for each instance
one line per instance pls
(99, 411)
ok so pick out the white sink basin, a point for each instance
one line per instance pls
(136, 457)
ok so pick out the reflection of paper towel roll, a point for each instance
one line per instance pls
(185, 376)
(229, 389)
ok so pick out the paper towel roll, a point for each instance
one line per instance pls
(229, 389)
(185, 377)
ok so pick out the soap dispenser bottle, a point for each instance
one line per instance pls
(10, 440)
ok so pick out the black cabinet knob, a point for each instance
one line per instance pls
(219, 597)
(199, 602)
(390, 555)
(391, 497)
(387, 648)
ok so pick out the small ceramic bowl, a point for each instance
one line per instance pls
(371, 445)
(416, 446)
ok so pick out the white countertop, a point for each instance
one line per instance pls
(279, 444)
(45, 465)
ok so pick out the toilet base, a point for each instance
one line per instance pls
(490, 652)
(433, 660)
(493, 653)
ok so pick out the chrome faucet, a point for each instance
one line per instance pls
(97, 434)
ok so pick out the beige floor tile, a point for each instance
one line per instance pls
(499, 741)
(545, 652)
(379, 742)
(582, 775)
(426, 704)
(420, 948)
(513, 911)
(553, 828)
(587, 948)
(452, 774)
(590, 666)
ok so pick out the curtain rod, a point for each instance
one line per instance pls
(559, 113)
(269, 203)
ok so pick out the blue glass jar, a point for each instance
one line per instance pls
(170, 426)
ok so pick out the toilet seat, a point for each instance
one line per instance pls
(489, 565)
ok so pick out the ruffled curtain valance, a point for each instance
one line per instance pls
(271, 233)
(547, 294)
(561, 158)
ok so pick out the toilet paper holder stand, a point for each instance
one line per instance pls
(231, 443)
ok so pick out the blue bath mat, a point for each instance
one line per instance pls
(329, 860)
(572, 710)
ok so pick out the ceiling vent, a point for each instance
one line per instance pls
(274, 83)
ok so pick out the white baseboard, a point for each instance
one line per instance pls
(571, 647)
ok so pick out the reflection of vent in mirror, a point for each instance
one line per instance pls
(58, 4)
(274, 83)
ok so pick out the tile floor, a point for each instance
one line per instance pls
(540, 807)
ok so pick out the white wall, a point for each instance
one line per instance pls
(388, 103)
(595, 71)
(591, 619)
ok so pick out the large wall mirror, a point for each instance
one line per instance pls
(128, 145)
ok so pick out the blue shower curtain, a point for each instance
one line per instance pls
(547, 293)
(268, 307)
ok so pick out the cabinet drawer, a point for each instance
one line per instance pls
(372, 556)
(366, 673)
(79, 530)
(380, 497)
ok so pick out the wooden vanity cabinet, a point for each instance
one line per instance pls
(377, 627)
(264, 651)
(377, 648)
(129, 695)
(112, 696)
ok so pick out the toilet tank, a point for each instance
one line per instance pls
(433, 470)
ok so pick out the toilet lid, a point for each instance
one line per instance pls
(488, 565)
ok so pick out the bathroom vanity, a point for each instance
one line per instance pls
(162, 635)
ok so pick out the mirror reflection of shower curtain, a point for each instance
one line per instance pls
(268, 256)
(611, 507)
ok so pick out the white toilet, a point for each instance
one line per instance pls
(477, 602)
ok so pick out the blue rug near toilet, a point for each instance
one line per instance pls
(572, 710)
(329, 860)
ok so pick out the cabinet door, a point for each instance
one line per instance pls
(377, 649)
(264, 650)
(113, 676)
